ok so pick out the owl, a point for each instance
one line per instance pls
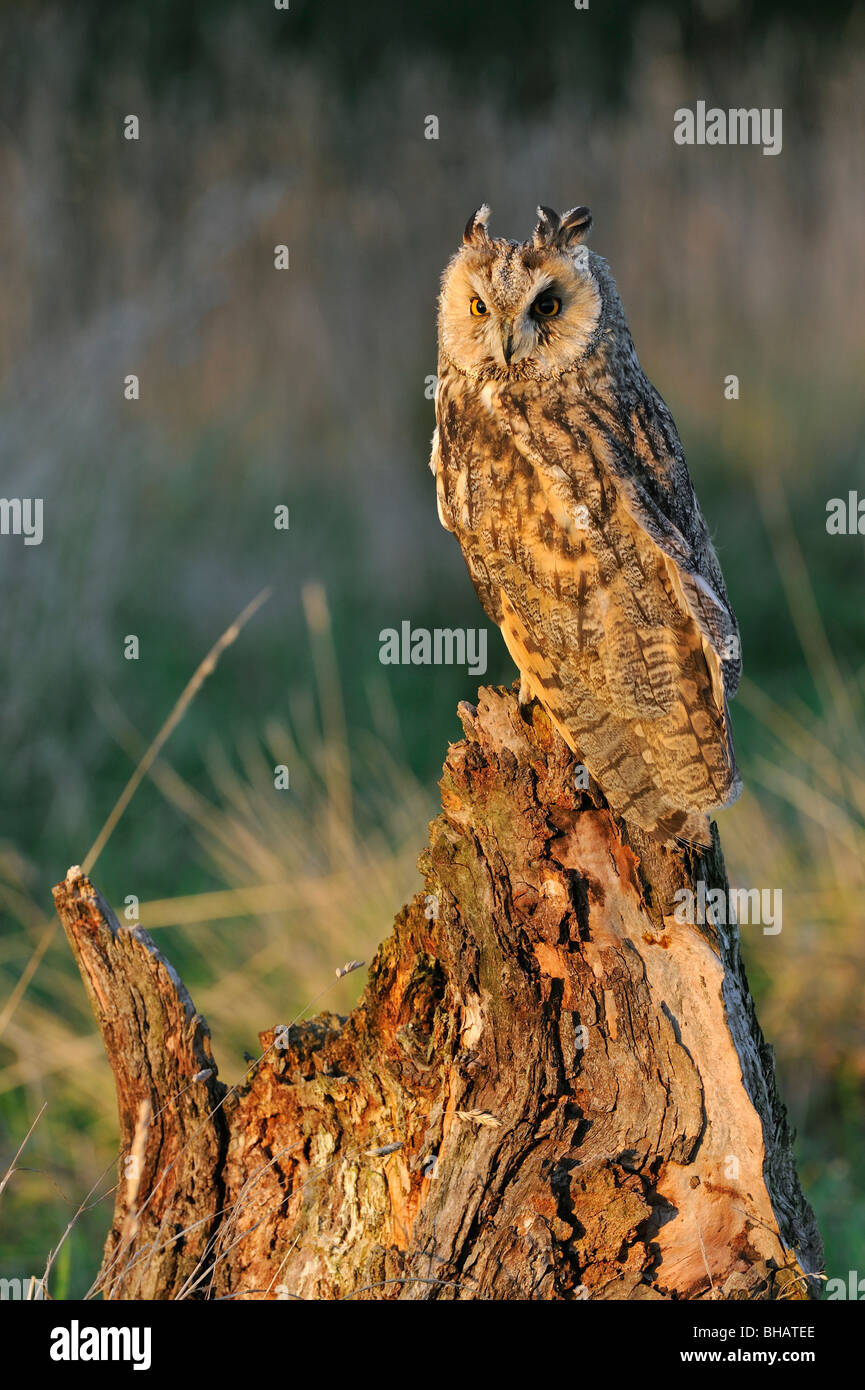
(559, 469)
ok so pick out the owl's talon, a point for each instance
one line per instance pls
(525, 696)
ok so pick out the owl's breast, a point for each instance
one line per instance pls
(501, 474)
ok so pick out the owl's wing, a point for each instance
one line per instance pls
(667, 653)
(649, 656)
(435, 463)
(660, 496)
(643, 456)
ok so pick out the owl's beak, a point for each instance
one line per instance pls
(507, 342)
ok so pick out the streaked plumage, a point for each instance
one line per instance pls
(560, 471)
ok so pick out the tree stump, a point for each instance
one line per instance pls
(550, 1088)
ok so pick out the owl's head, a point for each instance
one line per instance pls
(519, 310)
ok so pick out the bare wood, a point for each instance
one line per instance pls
(169, 1193)
(549, 1089)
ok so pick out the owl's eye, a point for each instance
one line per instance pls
(546, 306)
(478, 308)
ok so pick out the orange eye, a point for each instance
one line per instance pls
(546, 306)
(478, 308)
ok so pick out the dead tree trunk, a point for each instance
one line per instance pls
(549, 1090)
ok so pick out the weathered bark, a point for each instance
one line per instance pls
(549, 1089)
(169, 1194)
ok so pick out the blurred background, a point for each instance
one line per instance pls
(308, 388)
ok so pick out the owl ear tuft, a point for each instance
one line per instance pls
(548, 224)
(476, 233)
(574, 228)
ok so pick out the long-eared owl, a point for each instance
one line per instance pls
(560, 471)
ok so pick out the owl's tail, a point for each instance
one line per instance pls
(666, 799)
(681, 828)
